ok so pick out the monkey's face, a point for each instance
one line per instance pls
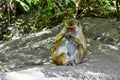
(71, 25)
(70, 29)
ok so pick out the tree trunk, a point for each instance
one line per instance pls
(118, 9)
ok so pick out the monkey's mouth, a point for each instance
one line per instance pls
(70, 29)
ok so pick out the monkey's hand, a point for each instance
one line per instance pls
(76, 40)
(67, 36)
(70, 63)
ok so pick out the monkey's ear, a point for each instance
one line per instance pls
(66, 23)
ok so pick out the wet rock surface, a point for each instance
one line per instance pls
(28, 58)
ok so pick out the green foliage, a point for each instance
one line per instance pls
(32, 27)
(35, 2)
(7, 36)
(5, 69)
(1, 15)
(22, 3)
(98, 7)
(26, 3)
(35, 15)
(19, 22)
(48, 13)
(105, 7)
(52, 10)
(45, 12)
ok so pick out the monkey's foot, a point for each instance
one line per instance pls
(70, 63)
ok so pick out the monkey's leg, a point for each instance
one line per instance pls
(77, 57)
(70, 63)
(61, 59)
(79, 54)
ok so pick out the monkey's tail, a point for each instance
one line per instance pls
(53, 55)
(83, 60)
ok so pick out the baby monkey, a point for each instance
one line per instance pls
(70, 46)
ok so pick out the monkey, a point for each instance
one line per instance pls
(70, 46)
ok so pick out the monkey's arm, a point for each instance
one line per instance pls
(76, 40)
(60, 34)
(58, 58)
(82, 38)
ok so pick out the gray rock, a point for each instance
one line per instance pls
(58, 73)
(28, 58)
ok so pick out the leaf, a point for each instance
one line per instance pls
(73, 1)
(18, 0)
(35, 2)
(1, 15)
(7, 70)
(10, 2)
(67, 1)
(18, 22)
(29, 2)
(25, 6)
(6, 36)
